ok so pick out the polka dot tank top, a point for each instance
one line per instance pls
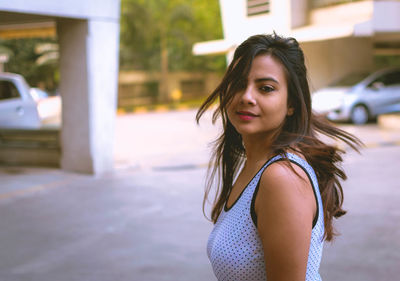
(234, 247)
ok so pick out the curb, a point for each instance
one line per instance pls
(382, 144)
(389, 121)
(153, 108)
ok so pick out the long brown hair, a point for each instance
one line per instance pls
(299, 131)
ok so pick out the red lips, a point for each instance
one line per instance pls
(246, 115)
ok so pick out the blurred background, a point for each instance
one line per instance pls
(102, 166)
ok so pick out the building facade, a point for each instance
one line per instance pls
(338, 37)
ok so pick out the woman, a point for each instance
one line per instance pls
(271, 221)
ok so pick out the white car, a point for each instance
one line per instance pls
(24, 107)
(360, 97)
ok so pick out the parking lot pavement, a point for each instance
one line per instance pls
(173, 138)
(163, 139)
(138, 224)
(367, 249)
(374, 136)
(129, 225)
(144, 220)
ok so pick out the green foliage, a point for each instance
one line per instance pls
(145, 23)
(23, 58)
(386, 61)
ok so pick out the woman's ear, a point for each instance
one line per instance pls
(290, 111)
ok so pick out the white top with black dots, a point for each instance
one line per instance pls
(234, 246)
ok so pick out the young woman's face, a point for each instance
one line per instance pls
(262, 105)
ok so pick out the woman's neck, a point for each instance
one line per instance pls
(258, 149)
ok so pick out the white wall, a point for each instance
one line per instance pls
(237, 26)
(299, 13)
(103, 51)
(386, 16)
(283, 16)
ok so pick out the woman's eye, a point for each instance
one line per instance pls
(267, 89)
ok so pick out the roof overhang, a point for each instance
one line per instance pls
(17, 25)
(307, 33)
(328, 32)
(215, 47)
(34, 29)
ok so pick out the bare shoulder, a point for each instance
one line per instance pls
(286, 183)
(284, 175)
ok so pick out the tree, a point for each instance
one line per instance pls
(155, 32)
(26, 59)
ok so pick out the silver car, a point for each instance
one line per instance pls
(360, 97)
(24, 107)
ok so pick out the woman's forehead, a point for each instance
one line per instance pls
(264, 66)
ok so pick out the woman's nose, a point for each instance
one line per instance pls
(248, 96)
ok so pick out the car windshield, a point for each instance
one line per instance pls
(350, 80)
(38, 94)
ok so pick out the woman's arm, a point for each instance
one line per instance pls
(285, 207)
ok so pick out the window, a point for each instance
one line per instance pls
(388, 79)
(8, 90)
(350, 80)
(257, 7)
(392, 78)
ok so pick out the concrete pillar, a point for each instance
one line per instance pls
(88, 86)
(299, 10)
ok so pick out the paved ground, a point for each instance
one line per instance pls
(132, 225)
(368, 248)
(144, 222)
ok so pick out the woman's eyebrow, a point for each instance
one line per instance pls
(264, 79)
